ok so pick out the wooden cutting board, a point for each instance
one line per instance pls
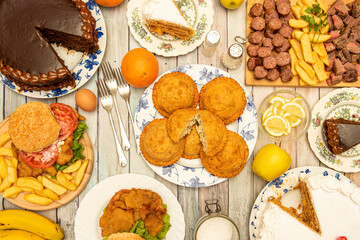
(69, 195)
(252, 81)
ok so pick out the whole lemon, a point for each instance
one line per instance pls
(271, 162)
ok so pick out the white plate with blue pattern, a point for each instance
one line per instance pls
(191, 173)
(280, 186)
(83, 70)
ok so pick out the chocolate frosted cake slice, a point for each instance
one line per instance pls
(28, 27)
(341, 134)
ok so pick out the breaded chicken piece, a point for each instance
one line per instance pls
(124, 236)
(224, 97)
(156, 145)
(175, 91)
(231, 160)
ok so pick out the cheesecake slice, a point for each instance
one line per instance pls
(163, 16)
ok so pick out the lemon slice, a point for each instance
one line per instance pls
(294, 109)
(268, 112)
(274, 131)
(294, 121)
(278, 122)
(278, 111)
(277, 101)
(297, 100)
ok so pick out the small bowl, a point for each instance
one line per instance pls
(298, 131)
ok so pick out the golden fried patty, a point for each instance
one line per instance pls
(231, 160)
(192, 144)
(124, 236)
(33, 127)
(175, 91)
(181, 121)
(156, 145)
(225, 97)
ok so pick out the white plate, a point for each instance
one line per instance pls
(84, 66)
(280, 186)
(191, 173)
(91, 207)
(199, 14)
(340, 103)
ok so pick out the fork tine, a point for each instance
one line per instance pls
(99, 89)
(104, 70)
(108, 71)
(104, 88)
(117, 76)
(120, 77)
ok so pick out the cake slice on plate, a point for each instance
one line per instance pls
(341, 134)
(163, 16)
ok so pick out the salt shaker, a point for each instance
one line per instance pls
(232, 59)
(211, 41)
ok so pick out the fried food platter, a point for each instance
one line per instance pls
(69, 195)
(185, 172)
(91, 207)
(252, 81)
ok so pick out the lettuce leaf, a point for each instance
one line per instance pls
(78, 147)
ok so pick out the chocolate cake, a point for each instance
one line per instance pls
(341, 134)
(28, 27)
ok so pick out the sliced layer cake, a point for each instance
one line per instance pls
(163, 16)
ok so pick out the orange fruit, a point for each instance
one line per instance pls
(139, 67)
(109, 3)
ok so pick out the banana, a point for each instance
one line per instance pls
(31, 222)
(18, 234)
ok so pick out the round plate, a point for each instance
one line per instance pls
(69, 195)
(191, 173)
(340, 103)
(85, 68)
(199, 13)
(91, 207)
(280, 186)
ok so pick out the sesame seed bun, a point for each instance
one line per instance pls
(125, 236)
(33, 127)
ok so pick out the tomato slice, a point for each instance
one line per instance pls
(42, 159)
(66, 118)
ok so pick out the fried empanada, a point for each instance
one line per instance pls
(175, 91)
(231, 160)
(224, 97)
(156, 145)
(192, 144)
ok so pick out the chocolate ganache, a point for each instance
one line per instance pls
(29, 26)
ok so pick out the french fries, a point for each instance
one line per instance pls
(41, 190)
(308, 54)
(4, 138)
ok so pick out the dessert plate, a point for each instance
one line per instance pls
(82, 66)
(66, 197)
(191, 173)
(340, 103)
(199, 13)
(280, 186)
(91, 207)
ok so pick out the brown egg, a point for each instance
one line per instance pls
(86, 100)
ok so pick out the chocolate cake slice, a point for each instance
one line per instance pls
(28, 27)
(341, 134)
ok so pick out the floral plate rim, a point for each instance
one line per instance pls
(175, 47)
(334, 100)
(82, 72)
(189, 176)
(279, 184)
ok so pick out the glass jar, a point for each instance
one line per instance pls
(215, 225)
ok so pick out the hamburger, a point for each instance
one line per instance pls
(43, 135)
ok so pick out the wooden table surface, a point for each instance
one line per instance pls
(236, 195)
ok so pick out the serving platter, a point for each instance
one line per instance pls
(340, 103)
(281, 186)
(191, 173)
(91, 207)
(252, 81)
(82, 66)
(69, 195)
(199, 13)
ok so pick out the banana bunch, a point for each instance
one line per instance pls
(21, 224)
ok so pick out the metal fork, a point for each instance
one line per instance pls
(124, 91)
(107, 103)
(111, 84)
